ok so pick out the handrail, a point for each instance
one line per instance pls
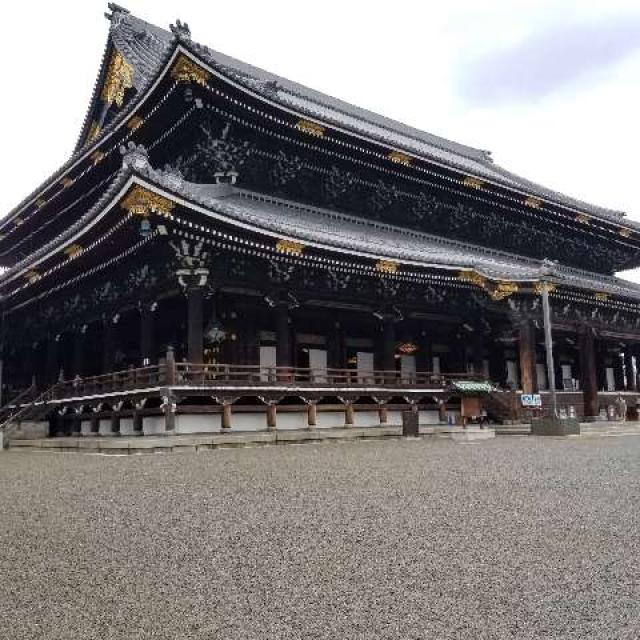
(16, 400)
(15, 417)
(185, 373)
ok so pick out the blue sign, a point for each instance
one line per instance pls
(531, 400)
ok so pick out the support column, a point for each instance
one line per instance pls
(283, 337)
(389, 345)
(110, 325)
(78, 351)
(528, 373)
(52, 368)
(588, 373)
(147, 348)
(478, 351)
(271, 416)
(618, 371)
(548, 343)
(631, 382)
(195, 325)
(312, 414)
(349, 414)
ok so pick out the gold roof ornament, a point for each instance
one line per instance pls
(541, 287)
(74, 250)
(472, 277)
(94, 131)
(32, 276)
(67, 181)
(625, 233)
(533, 202)
(473, 183)
(186, 70)
(18, 221)
(135, 123)
(504, 290)
(583, 218)
(400, 158)
(142, 202)
(387, 266)
(119, 79)
(290, 246)
(97, 156)
(40, 202)
(312, 128)
(601, 296)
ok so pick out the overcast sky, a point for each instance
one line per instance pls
(552, 88)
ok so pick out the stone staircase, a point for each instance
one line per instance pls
(23, 418)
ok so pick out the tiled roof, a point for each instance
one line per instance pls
(142, 43)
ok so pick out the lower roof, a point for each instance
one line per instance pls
(324, 229)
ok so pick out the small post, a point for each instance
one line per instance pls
(226, 415)
(349, 412)
(312, 414)
(271, 416)
(169, 408)
(383, 414)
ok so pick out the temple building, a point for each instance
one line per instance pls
(227, 249)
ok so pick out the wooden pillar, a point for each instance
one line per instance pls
(618, 371)
(442, 411)
(271, 416)
(588, 373)
(312, 414)
(52, 369)
(477, 341)
(383, 413)
(78, 351)
(349, 414)
(195, 319)
(528, 374)
(283, 337)
(109, 343)
(497, 367)
(170, 367)
(335, 352)
(389, 345)
(631, 382)
(169, 410)
(226, 415)
(147, 349)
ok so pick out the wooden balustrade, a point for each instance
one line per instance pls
(221, 375)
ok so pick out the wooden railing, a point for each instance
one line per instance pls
(116, 382)
(220, 375)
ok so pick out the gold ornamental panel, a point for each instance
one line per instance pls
(142, 202)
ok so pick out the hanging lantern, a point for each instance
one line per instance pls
(215, 332)
(407, 348)
(145, 227)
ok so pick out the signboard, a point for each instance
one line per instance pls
(531, 400)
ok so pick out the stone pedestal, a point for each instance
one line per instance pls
(471, 434)
(555, 427)
(410, 423)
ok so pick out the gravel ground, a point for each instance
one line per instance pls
(513, 538)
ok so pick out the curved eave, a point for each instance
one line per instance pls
(83, 154)
(127, 180)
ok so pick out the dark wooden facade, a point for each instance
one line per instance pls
(291, 244)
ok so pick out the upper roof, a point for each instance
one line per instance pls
(145, 46)
(149, 49)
